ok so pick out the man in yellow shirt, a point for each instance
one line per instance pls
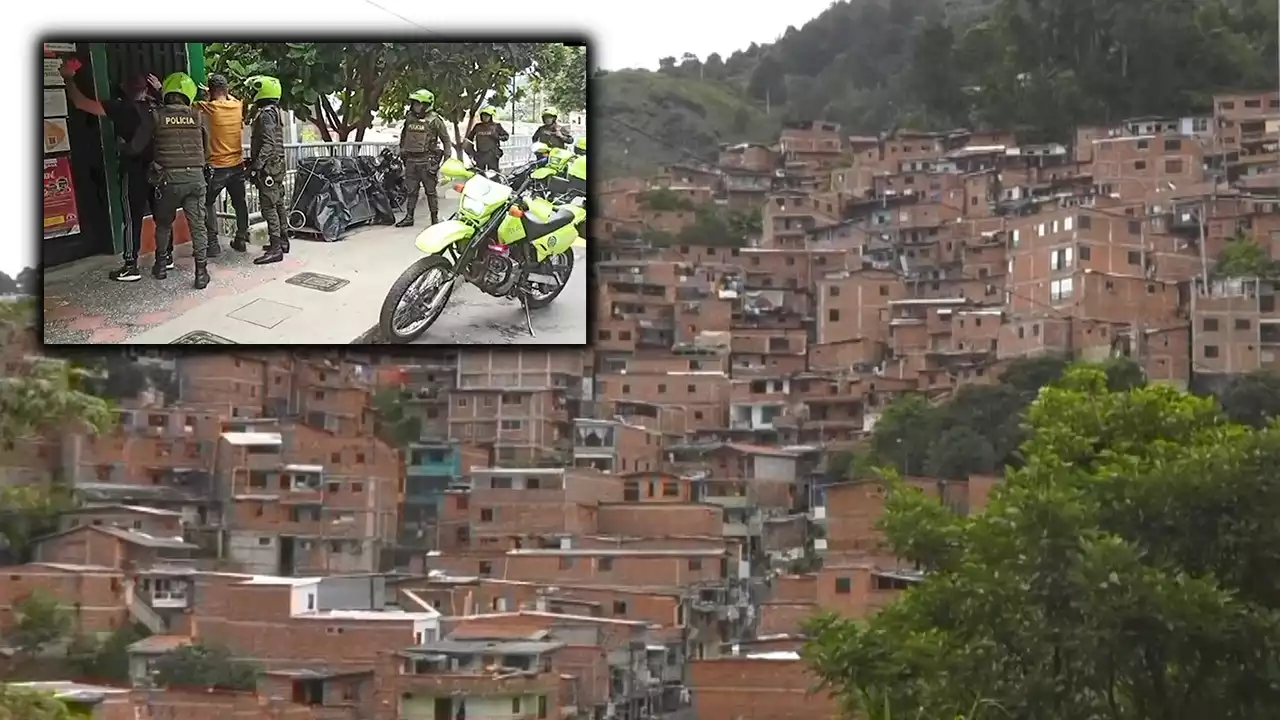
(226, 128)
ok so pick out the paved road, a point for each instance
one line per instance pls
(474, 318)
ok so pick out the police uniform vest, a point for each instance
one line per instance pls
(272, 148)
(419, 135)
(179, 142)
(551, 135)
(485, 142)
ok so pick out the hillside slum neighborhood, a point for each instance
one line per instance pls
(640, 529)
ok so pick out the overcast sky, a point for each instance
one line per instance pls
(671, 27)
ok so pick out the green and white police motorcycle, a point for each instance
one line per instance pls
(509, 242)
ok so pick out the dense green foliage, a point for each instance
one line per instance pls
(105, 661)
(1127, 570)
(649, 119)
(562, 75)
(340, 87)
(46, 396)
(394, 422)
(1242, 257)
(1042, 66)
(20, 704)
(207, 667)
(975, 431)
(41, 622)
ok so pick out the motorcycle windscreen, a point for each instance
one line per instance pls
(336, 194)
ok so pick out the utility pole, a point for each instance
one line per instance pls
(1202, 221)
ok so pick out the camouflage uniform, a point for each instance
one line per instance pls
(487, 137)
(266, 160)
(181, 151)
(424, 144)
(553, 134)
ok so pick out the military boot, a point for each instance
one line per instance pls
(273, 254)
(202, 275)
(433, 204)
(407, 220)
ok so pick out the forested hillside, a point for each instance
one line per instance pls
(1041, 66)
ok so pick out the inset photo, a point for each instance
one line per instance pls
(314, 193)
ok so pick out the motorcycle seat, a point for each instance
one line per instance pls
(535, 228)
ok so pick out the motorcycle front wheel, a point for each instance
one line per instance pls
(416, 299)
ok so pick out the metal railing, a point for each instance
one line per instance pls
(516, 152)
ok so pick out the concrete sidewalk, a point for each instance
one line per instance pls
(245, 303)
(322, 294)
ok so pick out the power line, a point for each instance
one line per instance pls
(395, 14)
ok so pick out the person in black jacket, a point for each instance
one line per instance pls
(127, 114)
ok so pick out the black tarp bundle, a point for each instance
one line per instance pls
(334, 194)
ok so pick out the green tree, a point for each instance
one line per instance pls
(335, 86)
(29, 511)
(392, 422)
(958, 452)
(20, 704)
(41, 621)
(107, 660)
(562, 75)
(1126, 571)
(664, 200)
(43, 398)
(903, 435)
(464, 77)
(205, 666)
(1028, 375)
(1252, 399)
(1242, 257)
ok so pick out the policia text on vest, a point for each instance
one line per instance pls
(424, 144)
(182, 147)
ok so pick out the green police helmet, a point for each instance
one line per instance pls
(180, 83)
(489, 110)
(265, 87)
(551, 112)
(580, 145)
(426, 97)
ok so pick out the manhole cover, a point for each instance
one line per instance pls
(316, 281)
(200, 337)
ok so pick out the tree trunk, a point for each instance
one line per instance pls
(340, 128)
(319, 121)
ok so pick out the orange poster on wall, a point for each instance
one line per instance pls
(56, 136)
(61, 217)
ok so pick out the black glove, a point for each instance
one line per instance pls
(208, 173)
(252, 174)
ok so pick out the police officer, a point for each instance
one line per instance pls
(486, 138)
(181, 149)
(424, 144)
(266, 165)
(551, 132)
